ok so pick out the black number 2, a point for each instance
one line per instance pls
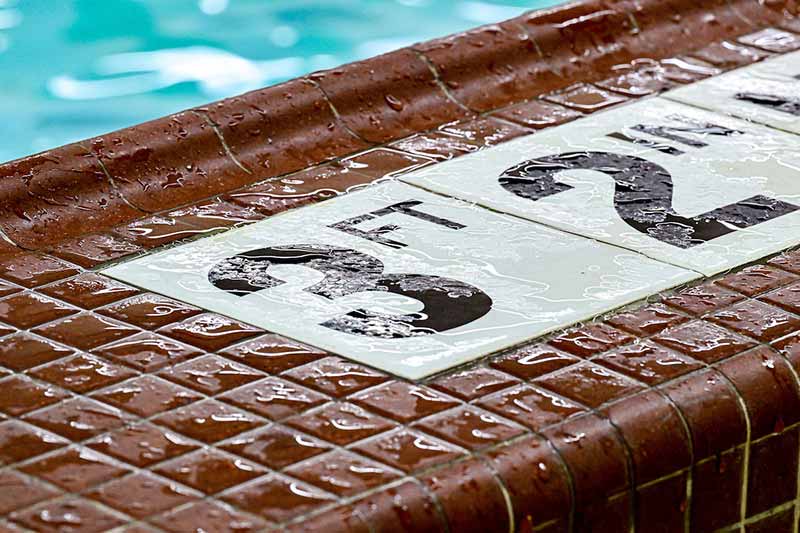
(642, 196)
(447, 303)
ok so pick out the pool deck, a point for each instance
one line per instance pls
(124, 410)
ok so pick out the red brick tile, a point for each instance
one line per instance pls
(142, 495)
(588, 384)
(78, 419)
(210, 471)
(19, 395)
(403, 402)
(19, 442)
(585, 98)
(51, 517)
(533, 361)
(756, 319)
(208, 421)
(698, 301)
(729, 55)
(29, 309)
(662, 506)
(335, 376)
(277, 498)
(342, 473)
(590, 340)
(156, 231)
(647, 320)
(717, 491)
(32, 270)
(341, 423)
(686, 69)
(211, 374)
(74, 470)
(537, 114)
(638, 78)
(344, 517)
(772, 40)
(772, 472)
(474, 383)
(274, 398)
(147, 396)
(408, 505)
(780, 521)
(82, 373)
(436, 145)
(147, 352)
(273, 354)
(385, 163)
(23, 351)
(90, 251)
(787, 298)
(7, 289)
(215, 214)
(469, 427)
(787, 261)
(275, 446)
(533, 408)
(408, 450)
(648, 362)
(150, 311)
(757, 279)
(142, 444)
(704, 341)
(85, 331)
(18, 491)
(605, 516)
(208, 516)
(485, 131)
(210, 332)
(89, 290)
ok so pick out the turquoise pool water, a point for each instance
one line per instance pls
(71, 69)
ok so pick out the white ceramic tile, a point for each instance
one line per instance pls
(767, 93)
(490, 280)
(641, 197)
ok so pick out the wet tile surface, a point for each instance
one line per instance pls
(383, 252)
(683, 186)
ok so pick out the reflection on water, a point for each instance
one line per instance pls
(73, 69)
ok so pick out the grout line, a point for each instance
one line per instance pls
(215, 128)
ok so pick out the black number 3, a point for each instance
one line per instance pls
(447, 303)
(642, 196)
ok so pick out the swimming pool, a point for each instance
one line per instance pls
(70, 70)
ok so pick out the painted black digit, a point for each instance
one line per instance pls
(448, 303)
(778, 103)
(642, 196)
(673, 133)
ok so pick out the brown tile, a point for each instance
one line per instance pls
(407, 505)
(274, 398)
(32, 270)
(342, 473)
(533, 361)
(772, 40)
(208, 421)
(704, 341)
(605, 516)
(474, 383)
(469, 427)
(588, 384)
(19, 395)
(594, 455)
(408, 450)
(156, 231)
(756, 319)
(780, 521)
(485, 131)
(403, 401)
(344, 517)
(273, 354)
(142, 495)
(789, 260)
(19, 442)
(73, 469)
(64, 515)
(210, 332)
(85, 331)
(82, 373)
(716, 491)
(648, 362)
(585, 98)
(641, 77)
(706, 298)
(275, 446)
(757, 279)
(208, 516)
(18, 491)
(590, 340)
(470, 497)
(211, 374)
(341, 423)
(537, 114)
(78, 419)
(215, 214)
(647, 320)
(772, 472)
(90, 251)
(729, 55)
(89, 290)
(277, 498)
(711, 409)
(662, 506)
(23, 351)
(210, 471)
(533, 408)
(687, 70)
(336, 376)
(436, 145)
(767, 386)
(147, 352)
(654, 433)
(7, 289)
(147, 396)
(385, 163)
(150, 311)
(787, 298)
(28, 309)
(142, 444)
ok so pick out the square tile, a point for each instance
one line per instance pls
(353, 275)
(676, 183)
